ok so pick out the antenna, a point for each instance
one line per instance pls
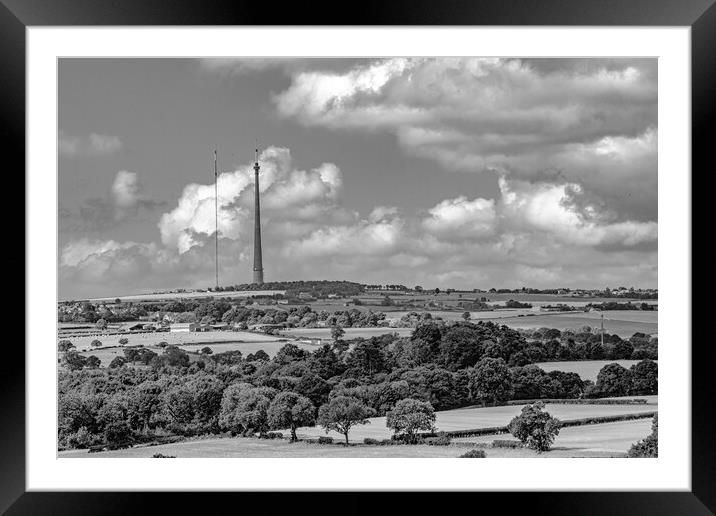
(216, 218)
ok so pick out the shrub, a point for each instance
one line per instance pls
(117, 435)
(81, 439)
(535, 427)
(271, 435)
(370, 440)
(325, 440)
(161, 456)
(441, 440)
(506, 443)
(473, 454)
(116, 362)
(649, 446)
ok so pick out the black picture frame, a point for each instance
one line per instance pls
(16, 15)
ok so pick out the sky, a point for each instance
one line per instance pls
(439, 172)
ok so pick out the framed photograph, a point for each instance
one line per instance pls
(332, 254)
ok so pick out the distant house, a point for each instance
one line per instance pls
(305, 296)
(220, 326)
(136, 327)
(199, 327)
(332, 296)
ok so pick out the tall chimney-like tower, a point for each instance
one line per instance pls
(258, 262)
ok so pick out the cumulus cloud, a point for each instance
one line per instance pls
(288, 195)
(550, 208)
(591, 122)
(94, 144)
(461, 217)
(536, 234)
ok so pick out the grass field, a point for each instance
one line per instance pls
(279, 448)
(622, 322)
(351, 333)
(586, 369)
(605, 437)
(482, 417)
(174, 338)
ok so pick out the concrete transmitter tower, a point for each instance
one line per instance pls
(258, 262)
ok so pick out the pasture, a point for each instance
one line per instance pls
(586, 369)
(351, 333)
(614, 437)
(242, 447)
(620, 322)
(186, 338)
(482, 417)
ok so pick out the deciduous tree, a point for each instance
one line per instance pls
(409, 416)
(535, 427)
(490, 380)
(342, 413)
(291, 410)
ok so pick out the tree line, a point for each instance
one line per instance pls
(446, 366)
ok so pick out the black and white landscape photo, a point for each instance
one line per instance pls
(354, 258)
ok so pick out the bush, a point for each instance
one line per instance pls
(161, 456)
(273, 435)
(649, 446)
(82, 438)
(370, 440)
(441, 440)
(117, 362)
(117, 435)
(506, 443)
(473, 454)
(325, 440)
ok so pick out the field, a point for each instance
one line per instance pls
(605, 437)
(279, 448)
(620, 322)
(150, 339)
(483, 417)
(351, 333)
(586, 369)
(601, 440)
